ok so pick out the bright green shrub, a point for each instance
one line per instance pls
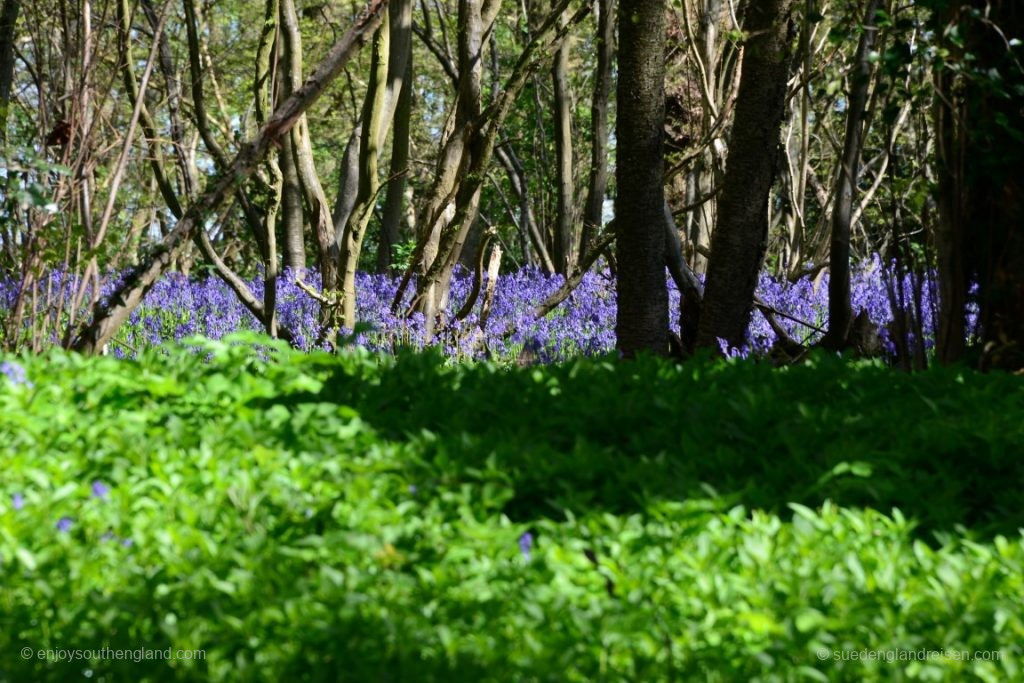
(361, 518)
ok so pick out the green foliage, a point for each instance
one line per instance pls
(355, 517)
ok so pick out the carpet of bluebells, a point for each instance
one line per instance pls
(180, 307)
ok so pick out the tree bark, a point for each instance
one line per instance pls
(398, 174)
(369, 182)
(840, 311)
(565, 219)
(597, 185)
(740, 238)
(391, 53)
(642, 320)
(352, 166)
(8, 22)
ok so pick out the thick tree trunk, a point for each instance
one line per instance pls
(642, 321)
(995, 188)
(740, 238)
(950, 235)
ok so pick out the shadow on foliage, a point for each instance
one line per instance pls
(943, 446)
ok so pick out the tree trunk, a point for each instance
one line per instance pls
(292, 219)
(642, 321)
(740, 238)
(389, 66)
(398, 174)
(565, 219)
(369, 182)
(996, 146)
(980, 145)
(351, 179)
(840, 311)
(597, 185)
(8, 22)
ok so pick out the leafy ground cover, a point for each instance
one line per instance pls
(364, 517)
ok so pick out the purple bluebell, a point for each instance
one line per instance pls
(526, 544)
(100, 490)
(14, 372)
(64, 524)
(17, 501)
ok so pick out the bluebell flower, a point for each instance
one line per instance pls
(127, 542)
(100, 490)
(64, 524)
(14, 372)
(526, 544)
(17, 501)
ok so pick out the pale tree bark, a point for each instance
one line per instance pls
(109, 315)
(293, 220)
(713, 67)
(456, 157)
(351, 178)
(369, 182)
(840, 311)
(565, 218)
(389, 66)
(316, 209)
(642, 321)
(740, 238)
(467, 155)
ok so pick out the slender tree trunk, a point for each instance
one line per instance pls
(467, 154)
(292, 219)
(369, 182)
(8, 22)
(394, 208)
(527, 221)
(642, 321)
(597, 185)
(313, 199)
(840, 311)
(565, 219)
(389, 67)
(352, 168)
(740, 238)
